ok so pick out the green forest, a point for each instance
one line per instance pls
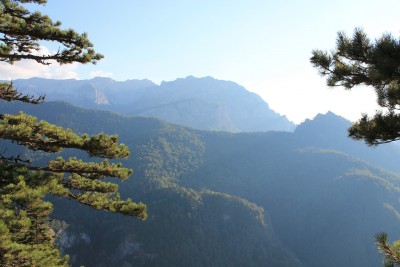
(222, 199)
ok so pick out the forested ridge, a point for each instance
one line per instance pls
(223, 199)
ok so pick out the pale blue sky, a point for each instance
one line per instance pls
(263, 45)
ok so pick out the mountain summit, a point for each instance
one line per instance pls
(201, 103)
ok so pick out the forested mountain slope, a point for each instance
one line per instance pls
(224, 199)
(330, 131)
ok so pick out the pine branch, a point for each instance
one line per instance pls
(90, 170)
(15, 159)
(8, 93)
(98, 201)
(22, 30)
(27, 131)
(391, 256)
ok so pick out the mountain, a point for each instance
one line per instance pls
(304, 198)
(329, 131)
(201, 103)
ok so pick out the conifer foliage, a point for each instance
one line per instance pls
(26, 238)
(360, 61)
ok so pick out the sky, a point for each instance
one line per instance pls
(262, 45)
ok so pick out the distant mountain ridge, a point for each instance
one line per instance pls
(329, 131)
(201, 103)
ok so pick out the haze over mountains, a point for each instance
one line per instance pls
(310, 198)
(201, 103)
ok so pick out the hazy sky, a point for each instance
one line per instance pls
(263, 45)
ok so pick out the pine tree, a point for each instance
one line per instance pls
(360, 61)
(26, 238)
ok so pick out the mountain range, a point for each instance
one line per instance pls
(201, 103)
(311, 197)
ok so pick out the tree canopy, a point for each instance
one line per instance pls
(26, 235)
(358, 61)
(22, 30)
